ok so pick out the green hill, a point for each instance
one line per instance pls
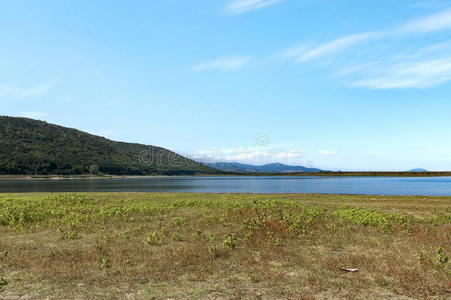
(35, 147)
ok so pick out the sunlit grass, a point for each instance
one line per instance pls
(223, 245)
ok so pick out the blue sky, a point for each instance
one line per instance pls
(335, 84)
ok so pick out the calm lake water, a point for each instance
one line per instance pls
(258, 184)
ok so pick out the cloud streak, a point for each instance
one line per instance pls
(290, 155)
(326, 152)
(13, 91)
(225, 64)
(387, 69)
(430, 4)
(408, 74)
(335, 46)
(436, 22)
(253, 155)
(241, 6)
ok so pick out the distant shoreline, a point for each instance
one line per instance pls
(334, 174)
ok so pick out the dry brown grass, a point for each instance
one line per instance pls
(206, 246)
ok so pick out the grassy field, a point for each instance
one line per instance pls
(224, 246)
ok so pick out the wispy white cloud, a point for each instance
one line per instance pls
(292, 154)
(33, 114)
(430, 4)
(326, 152)
(396, 68)
(237, 154)
(303, 54)
(436, 22)
(294, 51)
(254, 155)
(241, 6)
(420, 68)
(14, 91)
(407, 74)
(223, 64)
(247, 156)
(355, 68)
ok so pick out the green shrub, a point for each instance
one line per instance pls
(441, 258)
(363, 217)
(231, 241)
(154, 238)
(104, 264)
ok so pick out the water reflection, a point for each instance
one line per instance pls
(254, 184)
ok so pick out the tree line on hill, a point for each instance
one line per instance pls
(35, 147)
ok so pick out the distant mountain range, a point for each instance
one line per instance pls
(34, 147)
(418, 170)
(268, 168)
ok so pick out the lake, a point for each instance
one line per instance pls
(440, 186)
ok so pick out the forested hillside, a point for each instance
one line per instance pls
(35, 147)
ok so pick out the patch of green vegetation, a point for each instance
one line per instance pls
(363, 217)
(441, 257)
(154, 238)
(293, 245)
(32, 147)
